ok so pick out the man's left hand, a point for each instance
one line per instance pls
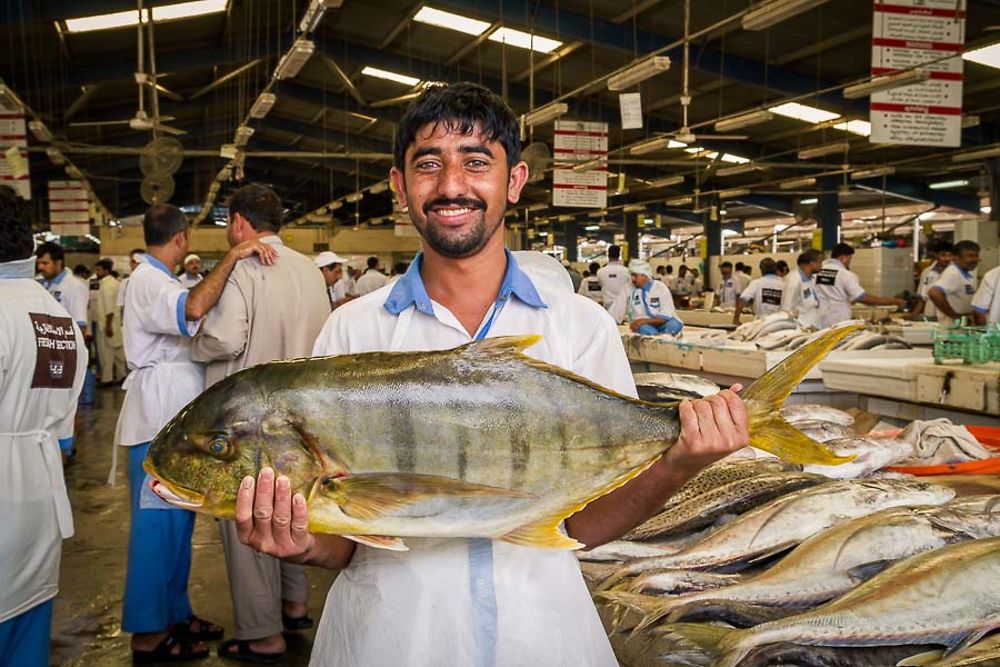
(711, 428)
(109, 331)
(264, 251)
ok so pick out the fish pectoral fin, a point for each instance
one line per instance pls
(920, 659)
(866, 571)
(543, 534)
(380, 542)
(368, 496)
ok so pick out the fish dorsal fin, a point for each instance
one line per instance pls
(501, 345)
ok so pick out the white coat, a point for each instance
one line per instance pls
(614, 279)
(958, 286)
(766, 293)
(800, 298)
(72, 294)
(838, 287)
(370, 281)
(987, 299)
(456, 602)
(43, 360)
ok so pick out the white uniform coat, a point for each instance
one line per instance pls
(638, 304)
(456, 602)
(800, 298)
(728, 290)
(43, 360)
(928, 277)
(959, 286)
(838, 288)
(590, 287)
(987, 299)
(614, 280)
(158, 349)
(72, 294)
(370, 281)
(766, 293)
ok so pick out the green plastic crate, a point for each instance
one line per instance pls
(971, 345)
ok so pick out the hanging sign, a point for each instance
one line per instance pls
(69, 208)
(575, 143)
(14, 171)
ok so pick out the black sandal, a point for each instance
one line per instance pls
(244, 653)
(208, 631)
(295, 623)
(164, 651)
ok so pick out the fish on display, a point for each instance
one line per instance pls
(825, 431)
(477, 441)
(833, 562)
(735, 497)
(777, 339)
(785, 522)
(945, 597)
(675, 582)
(870, 454)
(723, 472)
(660, 387)
(621, 550)
(984, 653)
(815, 412)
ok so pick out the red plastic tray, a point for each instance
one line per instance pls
(988, 436)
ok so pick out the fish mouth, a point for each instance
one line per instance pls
(174, 493)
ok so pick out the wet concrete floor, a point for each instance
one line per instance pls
(86, 625)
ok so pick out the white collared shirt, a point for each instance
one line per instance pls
(958, 286)
(728, 290)
(157, 339)
(72, 294)
(635, 304)
(766, 293)
(188, 281)
(987, 299)
(614, 280)
(800, 298)
(370, 281)
(837, 287)
(927, 278)
(590, 287)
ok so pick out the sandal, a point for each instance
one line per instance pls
(207, 631)
(244, 653)
(164, 651)
(295, 623)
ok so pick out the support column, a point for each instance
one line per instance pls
(570, 240)
(632, 235)
(713, 246)
(828, 212)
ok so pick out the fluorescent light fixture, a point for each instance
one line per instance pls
(596, 214)
(698, 150)
(443, 19)
(988, 55)
(796, 183)
(524, 40)
(296, 57)
(654, 145)
(820, 151)
(768, 13)
(859, 127)
(263, 104)
(537, 207)
(379, 188)
(734, 159)
(872, 173)
(243, 134)
(745, 168)
(878, 84)
(592, 228)
(314, 14)
(589, 165)
(633, 208)
(733, 192)
(41, 132)
(809, 201)
(638, 73)
(55, 156)
(390, 76)
(986, 209)
(546, 113)
(666, 181)
(743, 120)
(970, 120)
(945, 185)
(354, 197)
(979, 154)
(335, 205)
(183, 10)
(679, 201)
(227, 151)
(803, 112)
(224, 174)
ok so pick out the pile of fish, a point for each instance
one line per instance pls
(782, 331)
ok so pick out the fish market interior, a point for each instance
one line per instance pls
(428, 333)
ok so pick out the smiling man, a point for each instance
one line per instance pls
(474, 601)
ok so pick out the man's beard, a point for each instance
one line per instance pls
(448, 242)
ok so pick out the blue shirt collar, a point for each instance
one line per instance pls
(965, 274)
(157, 264)
(18, 268)
(56, 280)
(805, 278)
(409, 290)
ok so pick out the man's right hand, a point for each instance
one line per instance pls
(265, 251)
(270, 519)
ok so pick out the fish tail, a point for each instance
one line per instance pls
(708, 639)
(656, 613)
(764, 398)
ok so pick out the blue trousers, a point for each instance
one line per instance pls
(159, 559)
(671, 326)
(24, 639)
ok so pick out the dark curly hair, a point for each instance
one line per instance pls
(15, 226)
(462, 107)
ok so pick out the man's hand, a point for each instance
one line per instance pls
(270, 519)
(109, 331)
(265, 251)
(711, 428)
(635, 324)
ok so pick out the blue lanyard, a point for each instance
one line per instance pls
(497, 307)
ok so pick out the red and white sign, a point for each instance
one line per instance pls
(69, 208)
(912, 33)
(577, 142)
(14, 132)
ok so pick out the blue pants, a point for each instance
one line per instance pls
(24, 639)
(672, 326)
(159, 559)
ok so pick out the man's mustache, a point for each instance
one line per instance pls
(460, 202)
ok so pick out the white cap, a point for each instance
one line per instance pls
(640, 267)
(326, 258)
(190, 257)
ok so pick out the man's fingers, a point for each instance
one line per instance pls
(300, 520)
(263, 504)
(738, 411)
(689, 422)
(723, 422)
(706, 422)
(282, 511)
(736, 388)
(244, 509)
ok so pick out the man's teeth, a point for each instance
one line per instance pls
(451, 212)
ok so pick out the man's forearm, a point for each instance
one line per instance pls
(739, 311)
(979, 319)
(330, 551)
(206, 293)
(941, 301)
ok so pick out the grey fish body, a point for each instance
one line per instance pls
(984, 653)
(802, 412)
(827, 656)
(675, 582)
(936, 597)
(871, 454)
(681, 382)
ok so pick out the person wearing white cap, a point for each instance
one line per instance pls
(331, 265)
(110, 348)
(192, 271)
(648, 307)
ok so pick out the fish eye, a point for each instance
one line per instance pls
(219, 446)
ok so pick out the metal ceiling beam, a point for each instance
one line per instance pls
(919, 192)
(86, 92)
(225, 78)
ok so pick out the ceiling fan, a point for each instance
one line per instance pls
(143, 121)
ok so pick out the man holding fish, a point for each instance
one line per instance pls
(474, 601)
